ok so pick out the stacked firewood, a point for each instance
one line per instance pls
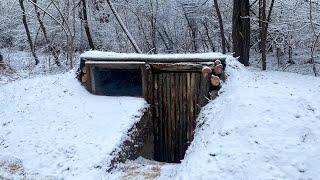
(216, 73)
(82, 73)
(84, 77)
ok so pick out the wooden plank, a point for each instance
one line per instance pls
(177, 116)
(196, 93)
(176, 67)
(154, 80)
(181, 89)
(146, 81)
(174, 101)
(168, 115)
(173, 117)
(189, 95)
(192, 105)
(185, 116)
(169, 75)
(197, 90)
(114, 65)
(165, 116)
(168, 120)
(161, 124)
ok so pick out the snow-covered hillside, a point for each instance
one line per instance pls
(264, 125)
(52, 127)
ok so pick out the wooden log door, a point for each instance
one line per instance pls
(174, 108)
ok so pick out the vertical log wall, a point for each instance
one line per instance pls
(174, 100)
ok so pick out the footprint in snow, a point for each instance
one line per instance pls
(224, 134)
(310, 108)
(304, 137)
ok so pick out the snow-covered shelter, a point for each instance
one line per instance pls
(175, 85)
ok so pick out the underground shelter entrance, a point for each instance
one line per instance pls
(175, 87)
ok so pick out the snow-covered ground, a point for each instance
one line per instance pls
(300, 65)
(264, 125)
(52, 127)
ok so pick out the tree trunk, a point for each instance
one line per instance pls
(70, 52)
(25, 24)
(241, 30)
(193, 30)
(153, 23)
(223, 38)
(263, 33)
(124, 28)
(263, 25)
(206, 27)
(86, 25)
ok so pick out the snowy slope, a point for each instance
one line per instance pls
(265, 125)
(55, 128)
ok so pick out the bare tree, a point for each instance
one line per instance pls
(44, 31)
(263, 25)
(223, 38)
(206, 28)
(316, 35)
(25, 24)
(67, 27)
(188, 10)
(86, 24)
(153, 22)
(124, 28)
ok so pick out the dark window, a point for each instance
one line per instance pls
(117, 82)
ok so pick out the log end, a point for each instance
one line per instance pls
(84, 70)
(214, 94)
(218, 69)
(217, 62)
(215, 80)
(206, 71)
(84, 78)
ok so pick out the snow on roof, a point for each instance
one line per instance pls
(99, 55)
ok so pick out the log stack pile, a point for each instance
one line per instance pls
(216, 74)
(82, 73)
